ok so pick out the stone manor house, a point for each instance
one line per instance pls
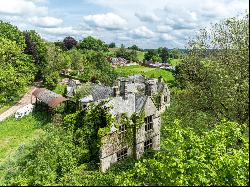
(129, 95)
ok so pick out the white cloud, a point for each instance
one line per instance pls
(62, 32)
(147, 17)
(163, 28)
(21, 7)
(142, 32)
(108, 21)
(39, 1)
(166, 23)
(45, 21)
(167, 37)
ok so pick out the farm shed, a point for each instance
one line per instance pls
(48, 97)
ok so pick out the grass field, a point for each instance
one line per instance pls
(140, 54)
(175, 62)
(13, 134)
(149, 72)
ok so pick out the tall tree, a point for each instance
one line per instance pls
(175, 53)
(112, 45)
(36, 47)
(12, 33)
(16, 70)
(215, 73)
(94, 44)
(55, 63)
(151, 54)
(69, 42)
(163, 53)
(134, 47)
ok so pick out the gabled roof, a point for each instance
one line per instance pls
(99, 92)
(50, 98)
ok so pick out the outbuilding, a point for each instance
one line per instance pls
(51, 99)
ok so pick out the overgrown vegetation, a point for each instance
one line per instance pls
(204, 133)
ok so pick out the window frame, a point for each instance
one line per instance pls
(123, 128)
(148, 144)
(149, 123)
(122, 154)
(165, 98)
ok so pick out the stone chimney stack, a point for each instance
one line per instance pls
(123, 88)
(116, 88)
(115, 91)
(148, 88)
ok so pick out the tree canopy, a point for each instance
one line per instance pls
(215, 73)
(91, 43)
(12, 33)
(16, 70)
(69, 42)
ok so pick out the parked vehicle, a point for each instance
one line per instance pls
(27, 109)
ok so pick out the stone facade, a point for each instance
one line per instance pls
(132, 95)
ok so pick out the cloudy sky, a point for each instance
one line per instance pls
(146, 23)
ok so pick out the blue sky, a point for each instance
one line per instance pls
(146, 23)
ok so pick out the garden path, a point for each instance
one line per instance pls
(26, 99)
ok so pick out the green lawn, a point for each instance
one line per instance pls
(14, 133)
(140, 54)
(175, 62)
(147, 71)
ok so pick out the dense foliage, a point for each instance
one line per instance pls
(135, 47)
(94, 44)
(55, 63)
(36, 47)
(215, 73)
(204, 133)
(164, 54)
(63, 148)
(12, 33)
(89, 66)
(130, 55)
(218, 157)
(69, 42)
(16, 70)
(112, 45)
(157, 55)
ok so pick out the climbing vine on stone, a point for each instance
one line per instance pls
(89, 126)
(157, 99)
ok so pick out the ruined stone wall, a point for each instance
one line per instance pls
(112, 143)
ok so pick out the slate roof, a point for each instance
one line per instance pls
(140, 101)
(50, 98)
(101, 92)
